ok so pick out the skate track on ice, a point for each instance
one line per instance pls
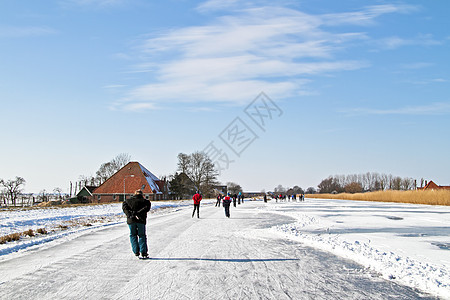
(208, 258)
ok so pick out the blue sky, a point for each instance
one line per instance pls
(354, 87)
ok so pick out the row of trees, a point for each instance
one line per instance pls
(11, 191)
(367, 182)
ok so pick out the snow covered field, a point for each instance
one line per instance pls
(406, 244)
(64, 224)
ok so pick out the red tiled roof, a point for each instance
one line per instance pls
(133, 177)
(433, 186)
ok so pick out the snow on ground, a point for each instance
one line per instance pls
(407, 243)
(63, 224)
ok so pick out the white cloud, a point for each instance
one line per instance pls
(101, 3)
(437, 108)
(213, 5)
(235, 57)
(366, 16)
(395, 42)
(139, 106)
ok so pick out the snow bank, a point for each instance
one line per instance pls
(402, 242)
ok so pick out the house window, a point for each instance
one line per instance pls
(114, 197)
(99, 197)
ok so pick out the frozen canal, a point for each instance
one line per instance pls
(208, 258)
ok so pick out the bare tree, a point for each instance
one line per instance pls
(105, 171)
(120, 160)
(407, 184)
(396, 183)
(279, 189)
(297, 190)
(13, 188)
(234, 188)
(58, 191)
(200, 169)
(3, 197)
(184, 162)
(311, 190)
(353, 187)
(43, 196)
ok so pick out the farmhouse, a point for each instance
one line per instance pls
(85, 194)
(126, 181)
(433, 186)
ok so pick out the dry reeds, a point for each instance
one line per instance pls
(430, 197)
(16, 236)
(9, 238)
(41, 231)
(29, 232)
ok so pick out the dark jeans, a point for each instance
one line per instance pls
(138, 238)
(218, 202)
(196, 207)
(227, 210)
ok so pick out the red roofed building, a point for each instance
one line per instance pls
(433, 186)
(126, 181)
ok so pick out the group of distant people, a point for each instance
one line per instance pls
(293, 197)
(239, 198)
(227, 199)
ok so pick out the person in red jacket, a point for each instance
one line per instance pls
(197, 198)
(226, 204)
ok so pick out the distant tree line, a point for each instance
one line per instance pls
(367, 182)
(293, 191)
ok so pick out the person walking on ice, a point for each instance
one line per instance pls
(226, 204)
(197, 198)
(219, 199)
(136, 209)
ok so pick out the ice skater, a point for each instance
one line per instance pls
(226, 204)
(136, 209)
(219, 199)
(197, 198)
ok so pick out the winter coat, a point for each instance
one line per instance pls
(197, 198)
(226, 200)
(136, 209)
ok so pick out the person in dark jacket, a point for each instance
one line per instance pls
(226, 204)
(197, 198)
(219, 199)
(136, 209)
